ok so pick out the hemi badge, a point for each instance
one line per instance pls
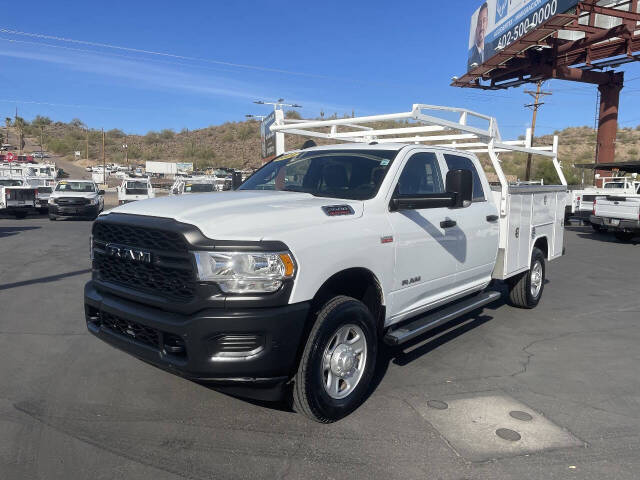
(387, 239)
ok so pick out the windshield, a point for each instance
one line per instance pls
(198, 187)
(350, 174)
(10, 182)
(82, 187)
(44, 189)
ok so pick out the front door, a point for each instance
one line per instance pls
(478, 226)
(426, 248)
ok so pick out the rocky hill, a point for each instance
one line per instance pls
(237, 144)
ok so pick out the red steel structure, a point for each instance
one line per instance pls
(542, 55)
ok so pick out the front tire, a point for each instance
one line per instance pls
(525, 290)
(338, 361)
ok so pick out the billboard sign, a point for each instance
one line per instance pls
(268, 137)
(499, 23)
(272, 142)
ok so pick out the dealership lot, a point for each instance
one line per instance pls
(562, 377)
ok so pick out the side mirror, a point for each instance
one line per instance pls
(460, 184)
(100, 192)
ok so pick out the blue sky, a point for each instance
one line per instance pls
(214, 58)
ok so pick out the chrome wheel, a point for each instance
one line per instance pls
(344, 361)
(536, 279)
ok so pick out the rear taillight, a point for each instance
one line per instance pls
(594, 205)
(8, 194)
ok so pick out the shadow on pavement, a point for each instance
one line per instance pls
(50, 278)
(9, 231)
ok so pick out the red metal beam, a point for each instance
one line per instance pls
(610, 12)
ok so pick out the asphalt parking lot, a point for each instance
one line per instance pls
(73, 407)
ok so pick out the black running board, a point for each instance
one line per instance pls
(423, 324)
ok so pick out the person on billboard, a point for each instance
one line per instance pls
(477, 55)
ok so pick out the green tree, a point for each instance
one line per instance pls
(40, 121)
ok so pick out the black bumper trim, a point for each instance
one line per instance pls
(80, 210)
(282, 327)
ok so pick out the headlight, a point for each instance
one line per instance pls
(94, 201)
(238, 272)
(52, 201)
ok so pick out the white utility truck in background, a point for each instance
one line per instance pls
(17, 198)
(288, 284)
(619, 214)
(132, 189)
(194, 184)
(580, 205)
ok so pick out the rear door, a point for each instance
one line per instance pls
(477, 226)
(425, 268)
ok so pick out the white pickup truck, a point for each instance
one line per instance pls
(619, 214)
(17, 198)
(580, 205)
(133, 189)
(289, 284)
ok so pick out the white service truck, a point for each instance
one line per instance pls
(17, 198)
(288, 284)
(194, 184)
(580, 204)
(135, 188)
(618, 214)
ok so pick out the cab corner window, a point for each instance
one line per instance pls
(456, 162)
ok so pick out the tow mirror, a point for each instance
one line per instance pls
(460, 185)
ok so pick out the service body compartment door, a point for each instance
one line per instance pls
(558, 228)
(524, 240)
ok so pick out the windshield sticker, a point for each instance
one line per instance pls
(384, 163)
(288, 155)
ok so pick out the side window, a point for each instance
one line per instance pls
(421, 175)
(454, 162)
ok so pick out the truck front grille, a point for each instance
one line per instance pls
(72, 201)
(169, 272)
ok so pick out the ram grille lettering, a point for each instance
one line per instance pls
(128, 253)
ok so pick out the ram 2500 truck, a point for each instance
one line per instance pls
(290, 283)
(619, 214)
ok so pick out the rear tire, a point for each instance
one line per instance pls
(624, 236)
(20, 215)
(338, 361)
(525, 290)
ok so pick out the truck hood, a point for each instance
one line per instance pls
(244, 215)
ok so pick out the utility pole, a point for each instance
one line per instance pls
(41, 141)
(104, 164)
(87, 144)
(126, 150)
(537, 95)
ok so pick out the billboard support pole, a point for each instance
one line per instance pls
(608, 122)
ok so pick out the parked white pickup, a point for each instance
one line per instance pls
(297, 276)
(619, 214)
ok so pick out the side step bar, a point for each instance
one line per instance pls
(423, 324)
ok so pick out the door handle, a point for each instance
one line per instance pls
(492, 218)
(448, 223)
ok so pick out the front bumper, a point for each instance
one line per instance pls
(74, 211)
(155, 336)
(622, 225)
